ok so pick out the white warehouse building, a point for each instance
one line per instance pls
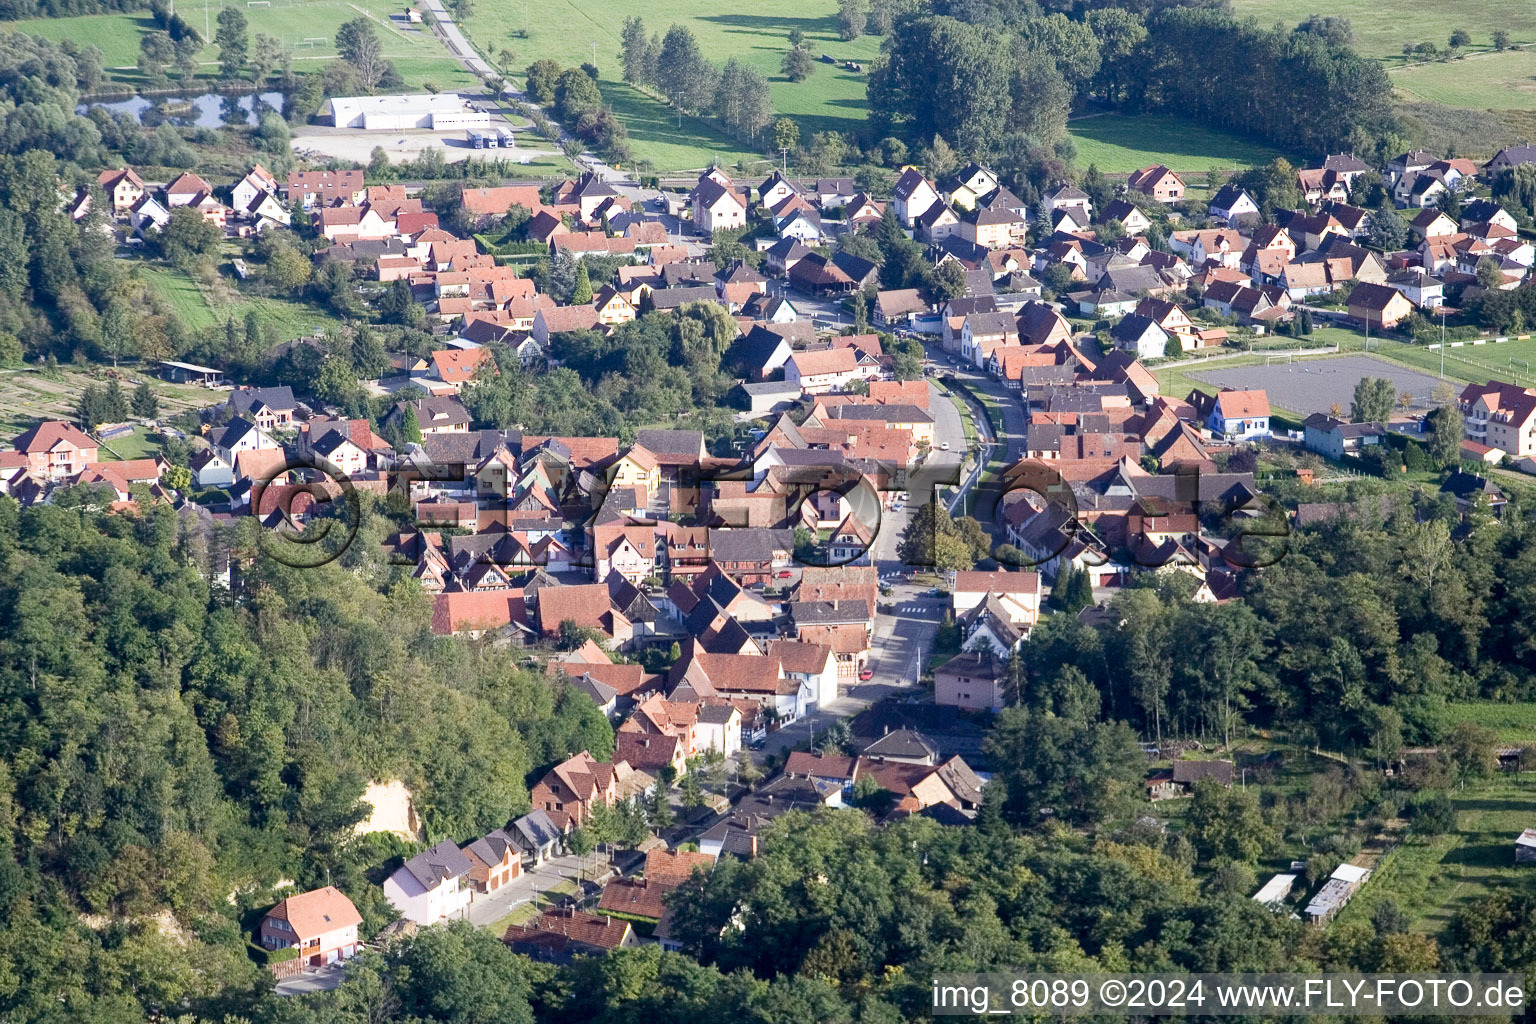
(442, 111)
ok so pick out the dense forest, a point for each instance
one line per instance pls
(996, 83)
(168, 748)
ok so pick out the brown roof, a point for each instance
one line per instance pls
(50, 433)
(798, 656)
(497, 201)
(588, 605)
(316, 912)
(1236, 404)
(998, 582)
(669, 868)
(827, 360)
(639, 896)
(574, 925)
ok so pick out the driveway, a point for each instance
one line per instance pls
(486, 910)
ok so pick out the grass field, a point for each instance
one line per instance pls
(1514, 723)
(1492, 81)
(829, 100)
(1381, 29)
(1117, 143)
(306, 28)
(1431, 879)
(199, 309)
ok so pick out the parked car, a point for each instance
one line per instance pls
(866, 675)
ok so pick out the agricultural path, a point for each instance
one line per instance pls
(461, 48)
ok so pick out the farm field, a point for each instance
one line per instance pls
(831, 99)
(306, 28)
(196, 308)
(1432, 878)
(29, 395)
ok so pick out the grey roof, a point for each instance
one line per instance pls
(1132, 327)
(279, 399)
(890, 413)
(443, 861)
(969, 305)
(903, 743)
(1194, 771)
(749, 545)
(983, 664)
(674, 274)
(671, 298)
(468, 447)
(233, 431)
(830, 613)
(996, 322)
(601, 693)
(1327, 424)
(445, 410)
(492, 846)
(671, 442)
(716, 714)
(536, 829)
(772, 387)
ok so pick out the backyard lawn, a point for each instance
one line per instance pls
(831, 99)
(1119, 144)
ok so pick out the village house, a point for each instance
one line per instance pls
(823, 370)
(55, 450)
(1501, 416)
(494, 860)
(912, 195)
(321, 924)
(124, 186)
(1230, 203)
(1337, 439)
(1239, 415)
(429, 888)
(971, 681)
(1377, 305)
(717, 206)
(1158, 183)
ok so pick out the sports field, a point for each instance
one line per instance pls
(1316, 385)
(1119, 144)
(831, 99)
(306, 28)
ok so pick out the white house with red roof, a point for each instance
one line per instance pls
(321, 924)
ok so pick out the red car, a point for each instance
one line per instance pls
(785, 574)
(866, 675)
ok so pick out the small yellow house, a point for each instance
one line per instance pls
(637, 468)
(613, 307)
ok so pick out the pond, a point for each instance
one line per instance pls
(210, 110)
